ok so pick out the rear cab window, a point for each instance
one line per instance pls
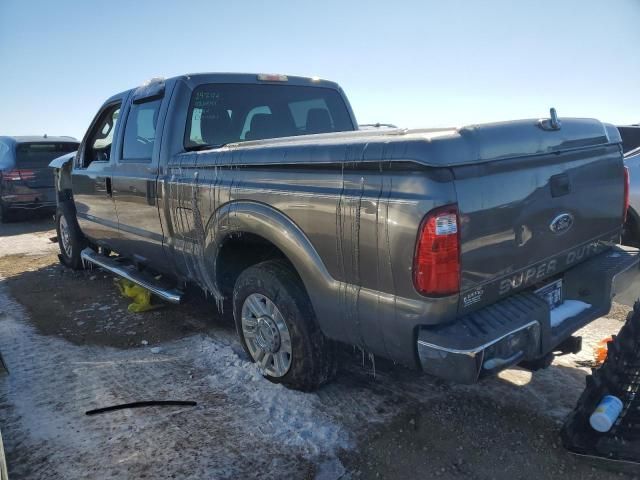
(229, 113)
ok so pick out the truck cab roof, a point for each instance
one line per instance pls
(257, 78)
(193, 79)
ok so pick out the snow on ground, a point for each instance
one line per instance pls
(243, 426)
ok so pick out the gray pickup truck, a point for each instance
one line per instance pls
(457, 251)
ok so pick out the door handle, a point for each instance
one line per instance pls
(107, 182)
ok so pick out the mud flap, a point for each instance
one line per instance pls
(619, 376)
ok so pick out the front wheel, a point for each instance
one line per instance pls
(277, 328)
(70, 238)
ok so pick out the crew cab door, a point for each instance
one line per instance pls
(135, 178)
(92, 176)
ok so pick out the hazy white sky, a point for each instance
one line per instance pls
(414, 63)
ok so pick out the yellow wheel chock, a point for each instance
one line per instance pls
(141, 296)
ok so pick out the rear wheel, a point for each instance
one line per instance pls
(70, 238)
(277, 328)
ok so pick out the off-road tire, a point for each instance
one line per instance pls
(76, 240)
(313, 357)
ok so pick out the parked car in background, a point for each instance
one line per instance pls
(630, 135)
(460, 251)
(26, 182)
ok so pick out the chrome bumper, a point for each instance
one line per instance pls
(519, 327)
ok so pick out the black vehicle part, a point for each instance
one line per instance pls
(3, 365)
(149, 403)
(70, 237)
(539, 363)
(571, 345)
(631, 229)
(619, 376)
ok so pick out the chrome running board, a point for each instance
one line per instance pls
(132, 274)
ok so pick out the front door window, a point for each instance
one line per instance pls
(98, 147)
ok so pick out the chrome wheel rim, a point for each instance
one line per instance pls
(65, 237)
(266, 335)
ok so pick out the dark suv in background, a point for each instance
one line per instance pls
(630, 135)
(26, 182)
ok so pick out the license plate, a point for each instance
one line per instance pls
(552, 293)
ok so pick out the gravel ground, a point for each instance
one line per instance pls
(71, 346)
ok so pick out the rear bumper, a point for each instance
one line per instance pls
(519, 327)
(33, 199)
(30, 206)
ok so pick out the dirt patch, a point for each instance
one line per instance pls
(86, 308)
(619, 311)
(465, 436)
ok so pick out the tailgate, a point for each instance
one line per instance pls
(527, 218)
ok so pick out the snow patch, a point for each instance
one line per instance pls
(567, 309)
(287, 417)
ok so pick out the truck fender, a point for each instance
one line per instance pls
(249, 217)
(62, 174)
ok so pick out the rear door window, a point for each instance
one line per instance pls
(140, 131)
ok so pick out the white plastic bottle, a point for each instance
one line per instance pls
(608, 411)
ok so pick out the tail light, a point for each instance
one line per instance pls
(17, 175)
(436, 264)
(626, 193)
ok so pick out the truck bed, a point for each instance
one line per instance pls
(448, 147)
(359, 198)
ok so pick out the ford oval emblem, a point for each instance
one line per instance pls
(561, 224)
